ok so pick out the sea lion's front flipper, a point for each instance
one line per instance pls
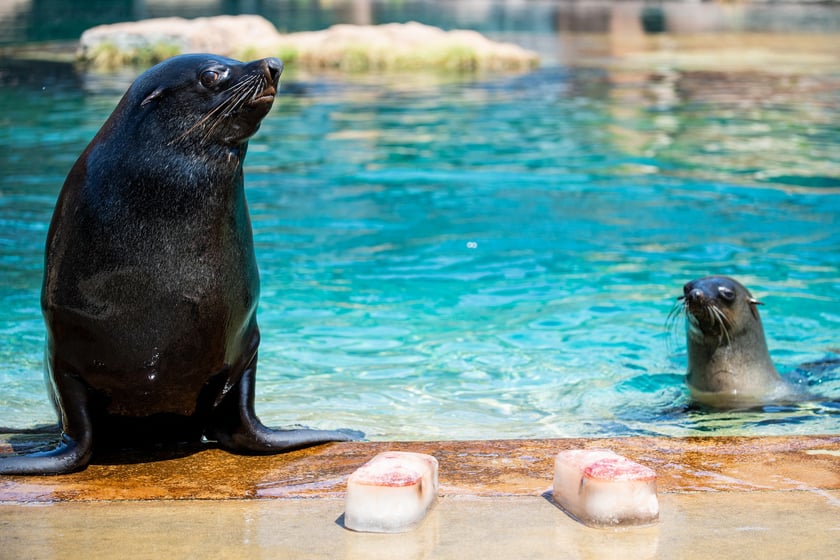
(236, 427)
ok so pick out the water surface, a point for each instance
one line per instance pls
(492, 256)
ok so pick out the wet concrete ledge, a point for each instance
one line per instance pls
(776, 497)
(502, 468)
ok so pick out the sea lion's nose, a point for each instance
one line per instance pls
(274, 67)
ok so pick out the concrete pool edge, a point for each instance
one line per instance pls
(777, 497)
(480, 468)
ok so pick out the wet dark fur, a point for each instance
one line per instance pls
(151, 285)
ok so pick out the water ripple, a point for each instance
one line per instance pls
(494, 257)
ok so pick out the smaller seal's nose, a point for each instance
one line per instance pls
(274, 67)
(695, 295)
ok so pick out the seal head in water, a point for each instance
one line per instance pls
(729, 365)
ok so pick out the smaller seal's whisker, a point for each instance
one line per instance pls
(723, 317)
(678, 310)
(710, 312)
(719, 317)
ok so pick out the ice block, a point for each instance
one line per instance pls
(391, 493)
(603, 489)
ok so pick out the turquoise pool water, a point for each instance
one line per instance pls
(489, 256)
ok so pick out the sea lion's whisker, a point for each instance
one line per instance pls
(242, 93)
(235, 94)
(219, 110)
(231, 94)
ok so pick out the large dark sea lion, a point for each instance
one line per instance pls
(151, 285)
(728, 362)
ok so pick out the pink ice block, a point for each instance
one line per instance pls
(391, 493)
(603, 489)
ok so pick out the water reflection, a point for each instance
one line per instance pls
(741, 127)
(42, 20)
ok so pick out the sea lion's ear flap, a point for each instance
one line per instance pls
(753, 303)
(152, 96)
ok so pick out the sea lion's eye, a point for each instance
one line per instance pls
(209, 78)
(726, 293)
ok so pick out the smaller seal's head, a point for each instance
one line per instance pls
(728, 362)
(203, 99)
(714, 306)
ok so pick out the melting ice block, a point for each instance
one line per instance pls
(603, 489)
(391, 492)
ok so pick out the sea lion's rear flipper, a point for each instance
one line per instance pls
(67, 457)
(236, 427)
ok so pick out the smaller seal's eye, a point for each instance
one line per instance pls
(726, 293)
(209, 78)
